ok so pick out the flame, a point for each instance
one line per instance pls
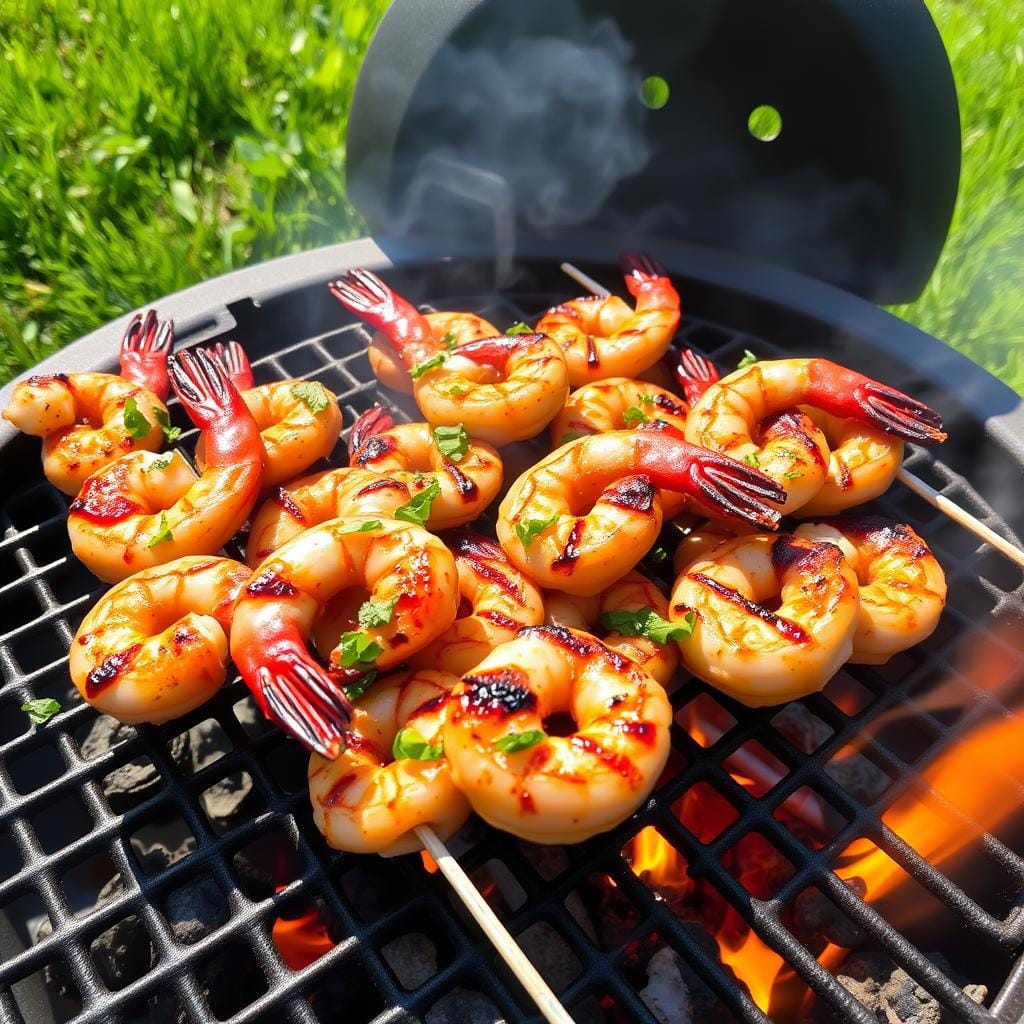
(980, 776)
(657, 861)
(301, 940)
(756, 965)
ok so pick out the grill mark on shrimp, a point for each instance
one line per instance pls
(500, 693)
(791, 425)
(618, 763)
(592, 357)
(577, 645)
(499, 619)
(493, 575)
(566, 561)
(106, 673)
(382, 485)
(666, 403)
(375, 447)
(285, 500)
(466, 488)
(270, 584)
(635, 493)
(880, 532)
(790, 630)
(102, 500)
(40, 380)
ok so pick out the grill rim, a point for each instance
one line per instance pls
(309, 269)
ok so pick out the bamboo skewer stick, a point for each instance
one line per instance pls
(959, 515)
(500, 938)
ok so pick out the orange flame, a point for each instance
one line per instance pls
(756, 964)
(428, 862)
(658, 861)
(301, 940)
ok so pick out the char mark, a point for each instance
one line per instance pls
(466, 488)
(635, 493)
(500, 620)
(384, 484)
(565, 563)
(270, 584)
(378, 446)
(790, 630)
(285, 500)
(106, 673)
(500, 693)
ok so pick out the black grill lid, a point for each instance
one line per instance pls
(481, 119)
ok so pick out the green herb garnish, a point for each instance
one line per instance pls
(452, 442)
(368, 527)
(747, 360)
(647, 622)
(520, 328)
(513, 742)
(357, 649)
(409, 743)
(417, 509)
(163, 418)
(134, 422)
(312, 394)
(792, 475)
(41, 710)
(751, 459)
(163, 532)
(376, 613)
(573, 435)
(427, 365)
(529, 529)
(657, 555)
(159, 464)
(355, 690)
(635, 415)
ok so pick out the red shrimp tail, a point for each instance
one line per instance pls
(725, 487)
(145, 346)
(901, 415)
(695, 373)
(302, 699)
(235, 362)
(639, 267)
(373, 421)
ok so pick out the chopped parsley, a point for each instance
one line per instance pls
(163, 532)
(417, 509)
(751, 459)
(427, 365)
(41, 710)
(452, 442)
(635, 415)
(376, 613)
(458, 389)
(409, 743)
(134, 422)
(520, 328)
(368, 527)
(357, 648)
(529, 529)
(171, 434)
(793, 475)
(159, 463)
(312, 394)
(648, 623)
(748, 359)
(657, 555)
(513, 742)
(353, 691)
(574, 435)
(449, 341)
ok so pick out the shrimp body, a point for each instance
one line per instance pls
(445, 328)
(142, 511)
(561, 789)
(620, 403)
(156, 645)
(503, 389)
(902, 586)
(603, 337)
(585, 515)
(862, 464)
(739, 644)
(499, 600)
(730, 417)
(407, 573)
(81, 418)
(367, 801)
(702, 540)
(632, 593)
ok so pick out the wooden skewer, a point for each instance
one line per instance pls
(916, 484)
(500, 938)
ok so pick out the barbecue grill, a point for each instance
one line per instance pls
(71, 826)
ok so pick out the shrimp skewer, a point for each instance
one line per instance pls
(586, 514)
(142, 511)
(410, 577)
(503, 389)
(299, 421)
(155, 646)
(602, 337)
(556, 789)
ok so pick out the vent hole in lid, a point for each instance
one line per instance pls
(654, 92)
(765, 123)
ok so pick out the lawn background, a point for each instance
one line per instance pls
(146, 146)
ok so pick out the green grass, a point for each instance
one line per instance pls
(145, 146)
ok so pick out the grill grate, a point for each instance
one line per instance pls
(56, 822)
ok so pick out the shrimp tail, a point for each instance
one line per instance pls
(695, 373)
(496, 351)
(373, 421)
(300, 697)
(727, 487)
(640, 266)
(235, 362)
(849, 394)
(145, 346)
(648, 282)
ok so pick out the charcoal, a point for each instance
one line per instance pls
(195, 910)
(801, 728)
(130, 784)
(548, 861)
(859, 777)
(666, 995)
(412, 957)
(889, 993)
(463, 1006)
(123, 952)
(209, 742)
(815, 915)
(550, 954)
(224, 799)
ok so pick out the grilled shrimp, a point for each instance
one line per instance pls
(602, 337)
(502, 389)
(409, 454)
(86, 421)
(731, 417)
(744, 645)
(142, 510)
(411, 581)
(497, 599)
(155, 646)
(585, 515)
(633, 593)
(145, 346)
(902, 586)
(369, 801)
(299, 421)
(702, 539)
(548, 788)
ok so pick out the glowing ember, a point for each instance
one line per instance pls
(301, 940)
(428, 862)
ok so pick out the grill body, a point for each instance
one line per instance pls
(55, 813)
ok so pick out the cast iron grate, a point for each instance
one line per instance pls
(56, 816)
